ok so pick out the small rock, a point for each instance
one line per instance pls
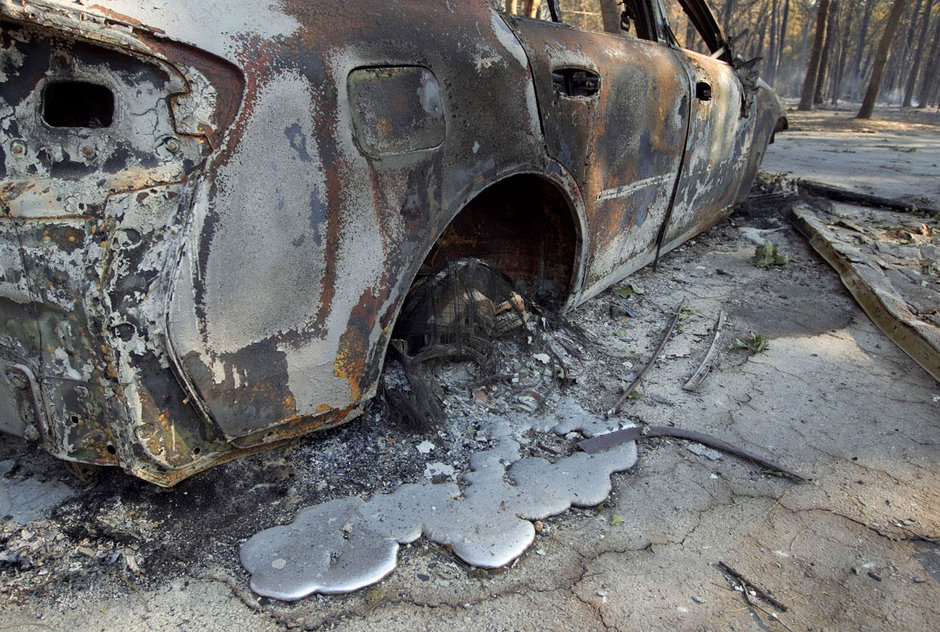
(425, 447)
(542, 357)
(529, 401)
(697, 599)
(133, 565)
(438, 470)
(708, 453)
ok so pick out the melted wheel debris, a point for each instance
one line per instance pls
(346, 544)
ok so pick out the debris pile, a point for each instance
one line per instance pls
(485, 511)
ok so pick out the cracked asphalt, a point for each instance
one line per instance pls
(855, 548)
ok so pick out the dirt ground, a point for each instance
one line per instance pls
(895, 155)
(820, 390)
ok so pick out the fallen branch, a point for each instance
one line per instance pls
(636, 381)
(134, 588)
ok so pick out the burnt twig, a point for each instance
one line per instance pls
(746, 583)
(659, 349)
(862, 199)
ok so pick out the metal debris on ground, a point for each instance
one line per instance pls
(709, 360)
(487, 521)
(611, 440)
(628, 391)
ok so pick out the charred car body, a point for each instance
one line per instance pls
(211, 213)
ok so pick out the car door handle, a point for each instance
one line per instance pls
(703, 91)
(576, 82)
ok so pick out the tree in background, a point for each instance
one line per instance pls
(815, 57)
(881, 57)
(830, 48)
(931, 86)
(918, 55)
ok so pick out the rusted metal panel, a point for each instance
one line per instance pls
(352, 222)
(622, 144)
(716, 147)
(212, 212)
(396, 110)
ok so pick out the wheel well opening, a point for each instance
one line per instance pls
(522, 226)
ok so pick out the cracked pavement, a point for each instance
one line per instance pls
(831, 397)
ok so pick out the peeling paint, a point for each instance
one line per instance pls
(211, 214)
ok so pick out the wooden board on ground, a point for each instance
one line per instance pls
(890, 262)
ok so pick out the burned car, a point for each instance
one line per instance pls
(211, 213)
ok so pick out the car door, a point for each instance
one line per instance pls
(615, 114)
(721, 121)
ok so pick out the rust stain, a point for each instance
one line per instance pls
(462, 138)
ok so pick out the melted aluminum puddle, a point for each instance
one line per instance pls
(345, 544)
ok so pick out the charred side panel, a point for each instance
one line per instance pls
(100, 147)
(717, 150)
(361, 136)
(83, 127)
(769, 117)
(618, 129)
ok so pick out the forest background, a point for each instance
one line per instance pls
(821, 51)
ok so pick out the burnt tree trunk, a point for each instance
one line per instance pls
(881, 56)
(856, 75)
(918, 56)
(762, 30)
(932, 69)
(812, 68)
(772, 52)
(726, 12)
(827, 54)
(610, 14)
(839, 69)
(783, 38)
(902, 51)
